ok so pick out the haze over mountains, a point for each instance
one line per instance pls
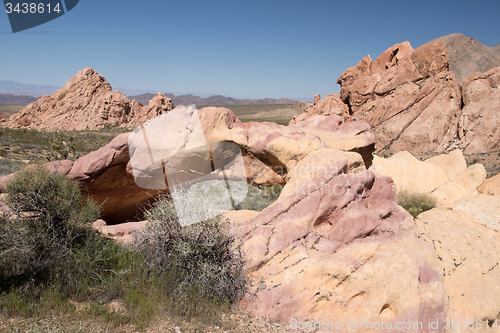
(22, 94)
(212, 100)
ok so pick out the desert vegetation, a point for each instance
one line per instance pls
(53, 263)
(416, 203)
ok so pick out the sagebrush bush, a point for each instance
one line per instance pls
(199, 262)
(416, 203)
(49, 238)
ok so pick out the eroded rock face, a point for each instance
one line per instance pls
(269, 150)
(408, 96)
(468, 252)
(336, 245)
(86, 102)
(331, 104)
(478, 126)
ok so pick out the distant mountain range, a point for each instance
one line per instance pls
(16, 99)
(212, 100)
(22, 94)
(16, 88)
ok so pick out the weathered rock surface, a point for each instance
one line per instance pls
(86, 102)
(469, 255)
(270, 150)
(452, 163)
(410, 174)
(409, 97)
(471, 178)
(107, 176)
(412, 99)
(478, 126)
(331, 104)
(334, 248)
(445, 176)
(491, 186)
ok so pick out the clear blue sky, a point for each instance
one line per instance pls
(235, 48)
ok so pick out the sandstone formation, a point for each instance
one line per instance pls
(86, 102)
(331, 104)
(468, 252)
(445, 176)
(413, 101)
(478, 126)
(468, 56)
(491, 186)
(410, 174)
(401, 93)
(269, 151)
(338, 247)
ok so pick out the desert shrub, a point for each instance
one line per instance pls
(259, 198)
(49, 238)
(9, 166)
(416, 203)
(199, 263)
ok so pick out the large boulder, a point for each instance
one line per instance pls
(335, 245)
(478, 126)
(468, 253)
(409, 97)
(108, 178)
(491, 186)
(410, 174)
(86, 102)
(452, 163)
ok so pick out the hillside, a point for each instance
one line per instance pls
(467, 55)
(10, 99)
(212, 100)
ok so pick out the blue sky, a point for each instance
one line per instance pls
(252, 49)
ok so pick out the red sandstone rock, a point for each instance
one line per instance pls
(409, 97)
(478, 126)
(86, 102)
(329, 105)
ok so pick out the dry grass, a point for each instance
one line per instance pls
(416, 203)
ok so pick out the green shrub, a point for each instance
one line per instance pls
(200, 263)
(9, 166)
(416, 203)
(49, 238)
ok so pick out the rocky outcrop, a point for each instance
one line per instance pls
(491, 186)
(86, 102)
(269, 152)
(331, 104)
(409, 97)
(334, 247)
(445, 176)
(478, 126)
(413, 101)
(468, 253)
